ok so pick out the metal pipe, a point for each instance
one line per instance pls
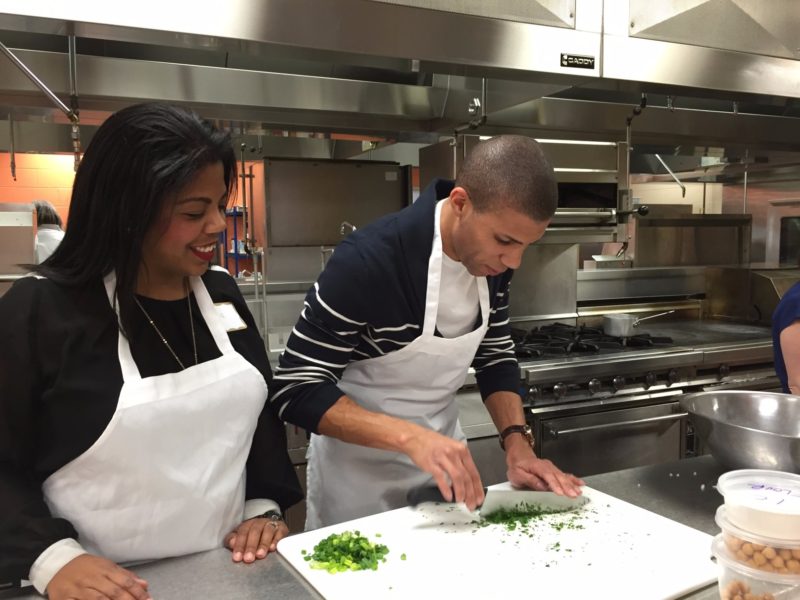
(244, 197)
(628, 154)
(73, 73)
(251, 221)
(637, 110)
(678, 181)
(12, 153)
(744, 195)
(38, 83)
(255, 274)
(73, 97)
(264, 313)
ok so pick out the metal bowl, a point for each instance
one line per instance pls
(748, 430)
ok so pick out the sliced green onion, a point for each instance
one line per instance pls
(346, 551)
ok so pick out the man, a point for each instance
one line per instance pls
(402, 309)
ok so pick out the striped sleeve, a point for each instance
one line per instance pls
(330, 327)
(496, 367)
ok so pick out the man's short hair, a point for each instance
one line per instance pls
(510, 171)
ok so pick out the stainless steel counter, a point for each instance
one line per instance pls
(213, 575)
(681, 490)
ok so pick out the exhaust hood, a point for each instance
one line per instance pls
(394, 67)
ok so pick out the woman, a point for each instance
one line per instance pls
(786, 340)
(133, 377)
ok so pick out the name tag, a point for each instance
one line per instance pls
(230, 316)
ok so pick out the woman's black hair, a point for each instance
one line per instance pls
(137, 158)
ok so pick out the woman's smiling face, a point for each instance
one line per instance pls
(182, 240)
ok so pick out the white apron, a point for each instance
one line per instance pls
(417, 383)
(167, 475)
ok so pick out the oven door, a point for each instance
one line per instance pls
(612, 439)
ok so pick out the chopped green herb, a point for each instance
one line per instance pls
(403, 556)
(520, 515)
(346, 551)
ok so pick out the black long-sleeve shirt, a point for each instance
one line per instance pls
(60, 380)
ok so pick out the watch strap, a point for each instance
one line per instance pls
(523, 429)
(272, 515)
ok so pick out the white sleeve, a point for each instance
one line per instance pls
(258, 506)
(51, 560)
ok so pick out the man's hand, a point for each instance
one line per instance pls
(255, 538)
(527, 471)
(89, 577)
(447, 460)
(451, 465)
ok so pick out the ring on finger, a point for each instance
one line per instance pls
(274, 524)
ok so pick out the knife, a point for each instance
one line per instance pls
(497, 499)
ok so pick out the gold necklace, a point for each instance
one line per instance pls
(161, 335)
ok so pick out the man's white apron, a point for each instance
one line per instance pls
(417, 383)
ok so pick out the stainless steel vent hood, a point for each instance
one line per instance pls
(307, 63)
(587, 174)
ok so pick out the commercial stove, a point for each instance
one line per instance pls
(598, 403)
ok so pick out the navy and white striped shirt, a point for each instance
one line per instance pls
(370, 301)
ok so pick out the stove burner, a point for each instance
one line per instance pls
(560, 339)
(527, 351)
(643, 340)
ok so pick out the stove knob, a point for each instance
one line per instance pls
(595, 386)
(673, 377)
(724, 371)
(534, 393)
(618, 382)
(650, 380)
(560, 390)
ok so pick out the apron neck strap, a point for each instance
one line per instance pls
(128, 366)
(211, 316)
(434, 274)
(435, 279)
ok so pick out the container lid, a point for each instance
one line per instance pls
(724, 557)
(721, 517)
(770, 491)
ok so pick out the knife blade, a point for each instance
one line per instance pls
(497, 499)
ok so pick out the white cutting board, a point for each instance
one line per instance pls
(619, 551)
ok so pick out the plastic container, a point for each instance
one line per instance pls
(765, 503)
(740, 582)
(763, 553)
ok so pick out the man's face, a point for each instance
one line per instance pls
(488, 243)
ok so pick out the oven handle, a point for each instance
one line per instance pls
(554, 433)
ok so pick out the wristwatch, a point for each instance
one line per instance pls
(523, 429)
(273, 516)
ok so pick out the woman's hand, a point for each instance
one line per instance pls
(89, 577)
(255, 538)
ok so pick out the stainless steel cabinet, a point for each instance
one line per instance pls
(609, 440)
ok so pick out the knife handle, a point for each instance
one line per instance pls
(426, 493)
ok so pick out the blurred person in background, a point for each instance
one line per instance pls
(48, 230)
(133, 379)
(786, 340)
